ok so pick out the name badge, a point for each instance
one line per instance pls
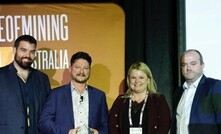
(135, 130)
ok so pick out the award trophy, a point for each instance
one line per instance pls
(84, 130)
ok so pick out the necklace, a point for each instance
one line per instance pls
(136, 107)
(141, 113)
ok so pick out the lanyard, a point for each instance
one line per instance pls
(141, 113)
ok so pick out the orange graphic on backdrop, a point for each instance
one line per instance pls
(6, 56)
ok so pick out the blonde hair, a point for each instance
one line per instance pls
(151, 87)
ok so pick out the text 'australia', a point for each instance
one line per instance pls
(51, 59)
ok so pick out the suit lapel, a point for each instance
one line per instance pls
(196, 98)
(16, 86)
(91, 103)
(178, 96)
(67, 93)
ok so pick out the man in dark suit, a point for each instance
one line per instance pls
(197, 103)
(76, 107)
(23, 90)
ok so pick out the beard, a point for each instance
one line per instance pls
(23, 64)
(80, 81)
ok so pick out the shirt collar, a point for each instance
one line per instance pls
(195, 84)
(75, 89)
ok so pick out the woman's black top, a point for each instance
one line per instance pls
(135, 114)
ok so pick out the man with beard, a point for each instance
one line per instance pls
(23, 90)
(197, 103)
(76, 107)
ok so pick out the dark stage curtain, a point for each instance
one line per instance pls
(152, 36)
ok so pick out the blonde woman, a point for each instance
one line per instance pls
(141, 110)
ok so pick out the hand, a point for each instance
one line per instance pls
(94, 131)
(74, 131)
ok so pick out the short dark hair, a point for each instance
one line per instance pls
(194, 50)
(81, 55)
(27, 38)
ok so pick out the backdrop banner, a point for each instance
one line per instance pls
(62, 29)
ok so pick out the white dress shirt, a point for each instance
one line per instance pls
(80, 104)
(184, 107)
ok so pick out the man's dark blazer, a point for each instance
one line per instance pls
(205, 116)
(12, 111)
(57, 116)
